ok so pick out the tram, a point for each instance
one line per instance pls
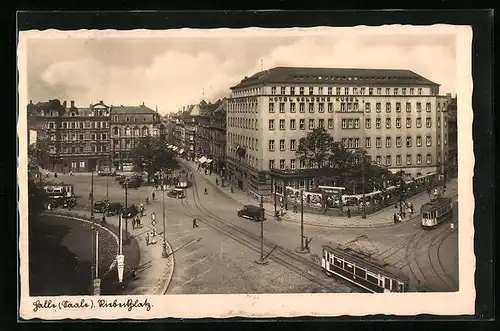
(436, 211)
(362, 270)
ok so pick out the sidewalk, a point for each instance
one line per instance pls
(153, 271)
(383, 218)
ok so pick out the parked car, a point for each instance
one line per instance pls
(114, 208)
(177, 193)
(100, 206)
(250, 212)
(56, 202)
(130, 212)
(69, 202)
(120, 177)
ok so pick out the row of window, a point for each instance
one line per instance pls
(81, 136)
(152, 118)
(84, 149)
(347, 90)
(292, 163)
(79, 125)
(355, 142)
(348, 107)
(346, 123)
(131, 131)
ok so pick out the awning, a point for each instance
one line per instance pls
(209, 160)
(202, 159)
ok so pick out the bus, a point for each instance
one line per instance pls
(436, 212)
(59, 190)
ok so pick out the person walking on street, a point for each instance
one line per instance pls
(452, 226)
(348, 212)
(216, 181)
(147, 239)
(195, 225)
(395, 218)
(103, 218)
(153, 195)
(147, 200)
(206, 192)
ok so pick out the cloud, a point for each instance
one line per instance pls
(177, 77)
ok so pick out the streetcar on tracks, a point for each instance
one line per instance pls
(436, 212)
(362, 270)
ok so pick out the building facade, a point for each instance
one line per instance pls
(127, 125)
(452, 136)
(217, 139)
(397, 116)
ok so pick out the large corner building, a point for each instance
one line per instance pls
(398, 116)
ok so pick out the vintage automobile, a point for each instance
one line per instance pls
(120, 177)
(114, 208)
(251, 212)
(132, 182)
(177, 193)
(69, 202)
(100, 206)
(130, 212)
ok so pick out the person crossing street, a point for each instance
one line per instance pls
(195, 225)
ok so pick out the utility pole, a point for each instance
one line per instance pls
(126, 210)
(164, 246)
(92, 226)
(302, 248)
(262, 216)
(363, 212)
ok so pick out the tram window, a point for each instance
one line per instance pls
(394, 285)
(387, 283)
(338, 262)
(360, 272)
(401, 287)
(371, 279)
(349, 267)
(425, 215)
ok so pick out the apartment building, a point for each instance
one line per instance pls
(396, 115)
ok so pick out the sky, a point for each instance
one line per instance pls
(175, 70)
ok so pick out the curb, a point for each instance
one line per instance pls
(166, 279)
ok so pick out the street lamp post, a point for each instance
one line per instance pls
(363, 211)
(126, 211)
(164, 246)
(261, 260)
(95, 242)
(303, 248)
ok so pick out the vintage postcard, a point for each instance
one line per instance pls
(250, 172)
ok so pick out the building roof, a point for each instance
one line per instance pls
(301, 75)
(142, 109)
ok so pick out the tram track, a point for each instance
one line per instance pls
(276, 253)
(446, 279)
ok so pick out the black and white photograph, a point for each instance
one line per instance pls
(274, 171)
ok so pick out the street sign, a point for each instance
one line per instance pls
(120, 261)
(97, 286)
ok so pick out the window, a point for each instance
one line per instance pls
(370, 91)
(419, 91)
(321, 108)
(80, 136)
(419, 122)
(355, 90)
(282, 124)
(408, 159)
(438, 122)
(271, 107)
(396, 90)
(282, 144)
(419, 107)
(292, 164)
(388, 160)
(292, 90)
(356, 142)
(301, 90)
(362, 91)
(271, 125)
(378, 142)
(408, 122)
(368, 107)
(311, 107)
(445, 140)
(419, 159)
(282, 164)
(302, 107)
(388, 142)
(346, 90)
(379, 159)
(271, 164)
(428, 107)
(398, 107)
(344, 123)
(103, 148)
(398, 123)
(378, 107)
(282, 107)
(387, 123)
(342, 107)
(337, 90)
(115, 131)
(81, 149)
(311, 124)
(378, 123)
(330, 123)
(321, 123)
(283, 90)
(412, 91)
(271, 145)
(398, 160)
(292, 107)
(446, 122)
(419, 141)
(368, 123)
(330, 107)
(388, 107)
(379, 91)
(403, 91)
(92, 136)
(408, 107)
(408, 141)
(428, 141)
(368, 142)
(302, 124)
(292, 124)
(273, 90)
(428, 122)
(330, 91)
(428, 158)
(292, 144)
(398, 141)
(311, 90)
(320, 90)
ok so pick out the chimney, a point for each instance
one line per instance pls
(72, 104)
(64, 104)
(31, 102)
(101, 102)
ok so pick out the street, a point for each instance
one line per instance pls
(219, 255)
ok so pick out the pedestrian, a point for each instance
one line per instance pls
(148, 239)
(348, 212)
(452, 226)
(49, 206)
(206, 192)
(103, 218)
(147, 200)
(195, 225)
(141, 209)
(55, 175)
(400, 219)
(395, 218)
(216, 181)
(153, 195)
(153, 218)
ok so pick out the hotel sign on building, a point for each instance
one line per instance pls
(397, 116)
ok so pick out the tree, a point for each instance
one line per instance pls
(151, 155)
(316, 147)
